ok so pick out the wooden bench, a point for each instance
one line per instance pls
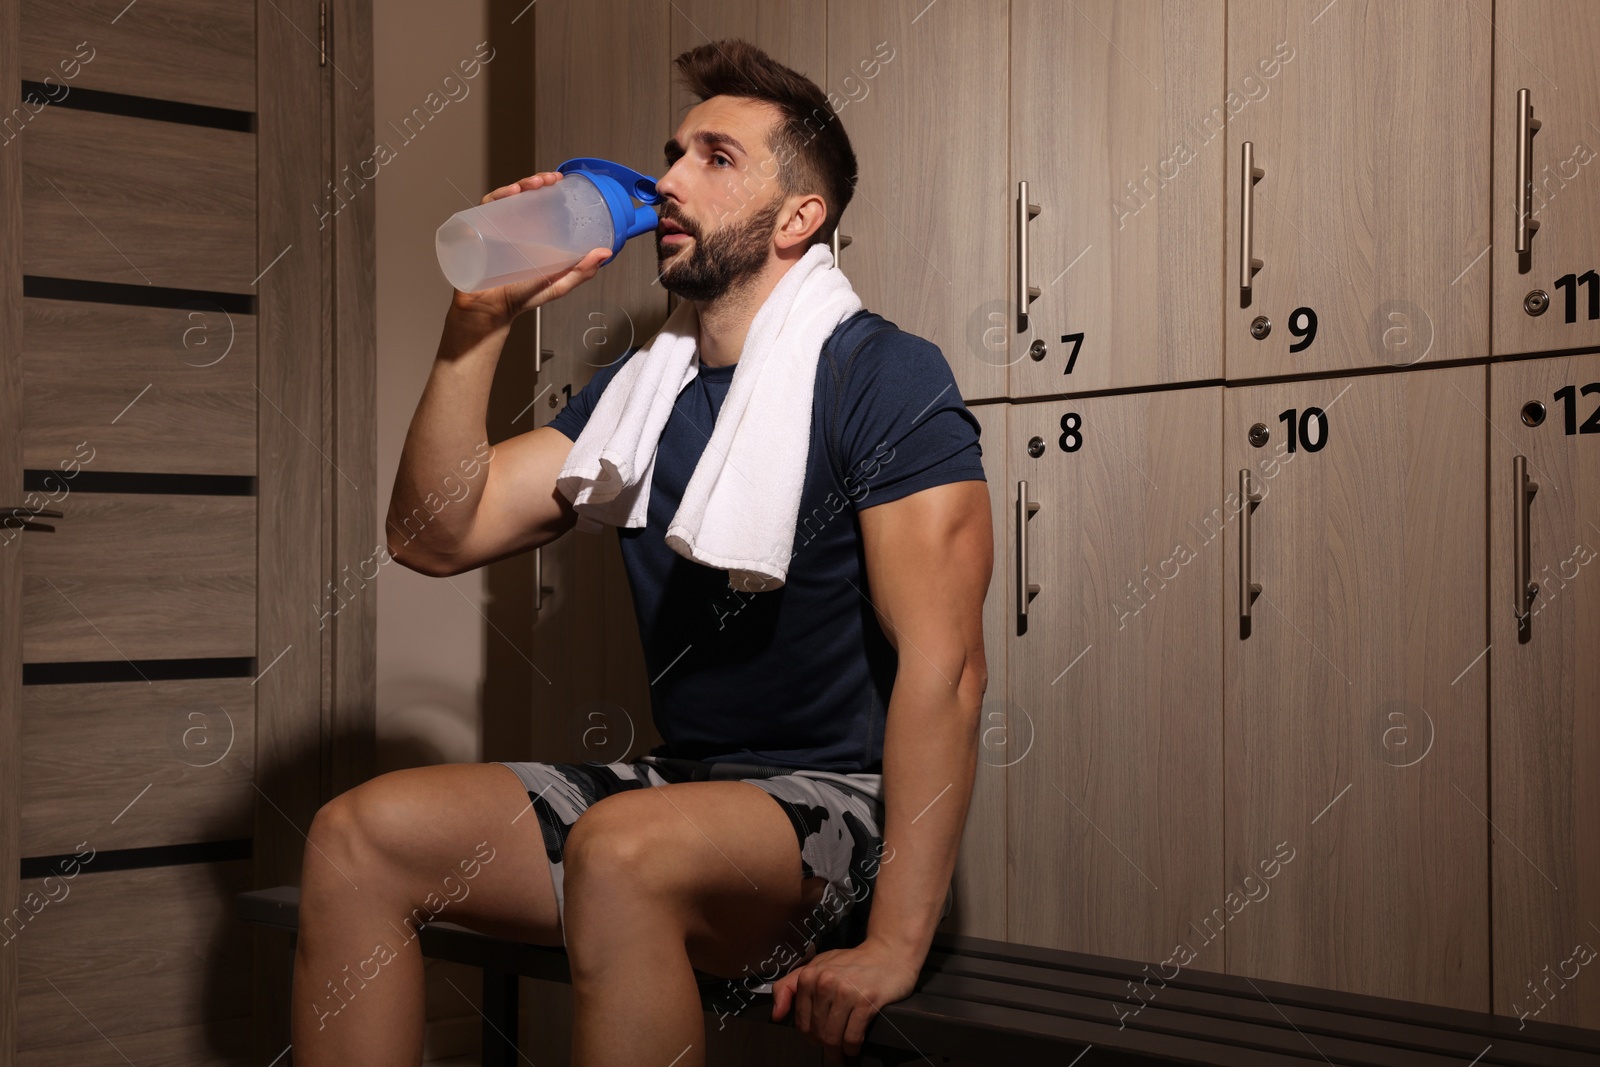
(996, 1002)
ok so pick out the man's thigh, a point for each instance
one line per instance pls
(721, 858)
(455, 842)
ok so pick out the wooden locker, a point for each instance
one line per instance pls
(1115, 811)
(1546, 47)
(589, 661)
(1116, 116)
(921, 90)
(1356, 759)
(1370, 215)
(791, 33)
(1544, 702)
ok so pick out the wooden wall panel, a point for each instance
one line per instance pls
(195, 51)
(173, 205)
(11, 495)
(168, 390)
(142, 576)
(89, 973)
(180, 753)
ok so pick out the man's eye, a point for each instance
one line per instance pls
(724, 158)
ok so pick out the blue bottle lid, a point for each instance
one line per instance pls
(620, 186)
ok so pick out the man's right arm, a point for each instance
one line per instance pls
(451, 511)
(457, 504)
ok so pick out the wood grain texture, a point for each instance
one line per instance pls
(931, 215)
(1111, 137)
(980, 876)
(1355, 735)
(168, 390)
(351, 401)
(1544, 702)
(195, 51)
(1115, 813)
(141, 576)
(178, 754)
(790, 33)
(222, 1043)
(172, 205)
(1374, 139)
(85, 967)
(11, 408)
(596, 665)
(1546, 47)
(294, 542)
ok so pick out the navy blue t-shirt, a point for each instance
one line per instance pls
(797, 676)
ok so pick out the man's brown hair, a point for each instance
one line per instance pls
(808, 141)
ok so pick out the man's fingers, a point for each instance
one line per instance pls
(804, 991)
(855, 1032)
(840, 1006)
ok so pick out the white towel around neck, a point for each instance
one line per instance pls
(740, 507)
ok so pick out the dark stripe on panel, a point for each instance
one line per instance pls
(160, 296)
(123, 670)
(127, 859)
(84, 481)
(143, 107)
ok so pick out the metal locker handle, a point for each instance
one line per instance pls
(1526, 124)
(17, 518)
(1026, 294)
(539, 588)
(1522, 566)
(840, 243)
(1249, 174)
(1025, 510)
(1248, 499)
(539, 350)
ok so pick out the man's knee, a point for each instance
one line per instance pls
(361, 828)
(619, 844)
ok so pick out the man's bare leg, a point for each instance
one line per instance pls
(456, 842)
(661, 881)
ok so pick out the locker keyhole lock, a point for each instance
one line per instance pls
(1536, 302)
(1038, 349)
(1260, 327)
(1532, 413)
(1259, 434)
(1036, 447)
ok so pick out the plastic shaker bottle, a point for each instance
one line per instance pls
(541, 232)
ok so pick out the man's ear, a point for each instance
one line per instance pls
(804, 218)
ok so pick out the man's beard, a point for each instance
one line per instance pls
(725, 261)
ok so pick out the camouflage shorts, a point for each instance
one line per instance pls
(836, 819)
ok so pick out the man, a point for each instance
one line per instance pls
(850, 695)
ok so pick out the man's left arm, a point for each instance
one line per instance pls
(929, 558)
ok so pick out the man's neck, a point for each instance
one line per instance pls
(725, 321)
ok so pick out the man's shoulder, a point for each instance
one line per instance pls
(866, 346)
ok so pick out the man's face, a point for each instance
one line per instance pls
(720, 199)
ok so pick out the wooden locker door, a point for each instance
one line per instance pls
(1371, 214)
(1545, 689)
(791, 33)
(1356, 761)
(1115, 813)
(588, 644)
(1108, 109)
(921, 90)
(1547, 47)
